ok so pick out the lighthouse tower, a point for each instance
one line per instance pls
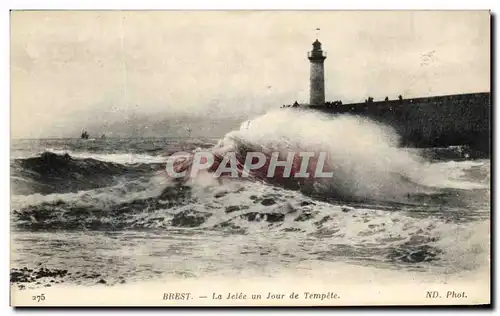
(317, 85)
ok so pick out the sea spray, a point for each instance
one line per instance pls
(243, 225)
(363, 156)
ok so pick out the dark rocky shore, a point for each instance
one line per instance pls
(25, 278)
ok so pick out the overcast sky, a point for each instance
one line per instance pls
(110, 70)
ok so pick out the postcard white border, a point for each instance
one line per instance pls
(185, 4)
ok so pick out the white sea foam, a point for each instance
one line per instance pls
(121, 158)
(363, 154)
(309, 232)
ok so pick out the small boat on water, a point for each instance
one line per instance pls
(84, 135)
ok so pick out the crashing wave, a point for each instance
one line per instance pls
(50, 173)
(363, 156)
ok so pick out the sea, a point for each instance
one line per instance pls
(103, 212)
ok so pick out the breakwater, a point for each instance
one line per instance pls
(438, 121)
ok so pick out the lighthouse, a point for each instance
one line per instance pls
(317, 79)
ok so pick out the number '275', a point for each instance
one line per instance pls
(38, 298)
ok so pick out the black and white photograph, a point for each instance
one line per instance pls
(250, 158)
